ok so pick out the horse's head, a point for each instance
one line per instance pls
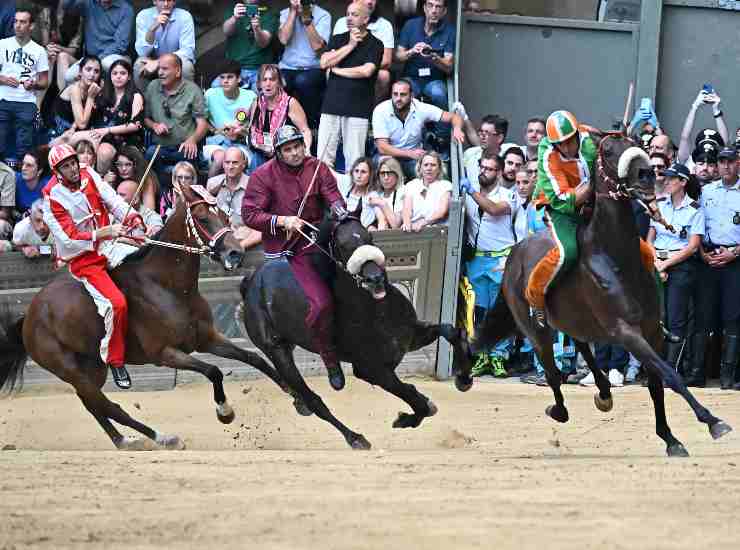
(353, 247)
(624, 169)
(208, 225)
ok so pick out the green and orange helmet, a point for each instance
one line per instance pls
(561, 125)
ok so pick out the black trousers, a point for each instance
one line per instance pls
(678, 290)
(718, 297)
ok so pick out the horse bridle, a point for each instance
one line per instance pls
(617, 188)
(193, 228)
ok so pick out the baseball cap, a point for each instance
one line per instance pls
(677, 170)
(729, 153)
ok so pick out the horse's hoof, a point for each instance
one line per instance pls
(406, 420)
(432, 408)
(225, 413)
(677, 450)
(559, 414)
(301, 407)
(719, 428)
(170, 443)
(463, 383)
(135, 444)
(604, 405)
(359, 443)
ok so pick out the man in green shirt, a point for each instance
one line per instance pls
(249, 29)
(175, 114)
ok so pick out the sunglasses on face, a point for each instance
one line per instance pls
(387, 173)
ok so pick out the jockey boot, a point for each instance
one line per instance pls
(674, 353)
(120, 376)
(730, 352)
(333, 369)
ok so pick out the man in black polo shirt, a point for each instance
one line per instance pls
(352, 59)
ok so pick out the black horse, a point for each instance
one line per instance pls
(375, 325)
(609, 296)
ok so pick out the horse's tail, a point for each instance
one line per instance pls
(13, 352)
(498, 325)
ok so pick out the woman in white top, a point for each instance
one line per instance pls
(387, 198)
(427, 199)
(355, 188)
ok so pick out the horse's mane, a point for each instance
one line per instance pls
(143, 252)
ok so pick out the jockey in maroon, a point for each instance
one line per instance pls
(271, 205)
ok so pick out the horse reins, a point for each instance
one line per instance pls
(618, 190)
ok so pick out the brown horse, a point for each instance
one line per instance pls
(168, 320)
(608, 296)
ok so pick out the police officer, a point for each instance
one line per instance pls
(674, 254)
(718, 295)
(489, 209)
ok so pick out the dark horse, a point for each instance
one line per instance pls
(375, 324)
(168, 319)
(609, 296)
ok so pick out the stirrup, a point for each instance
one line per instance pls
(121, 377)
(539, 316)
(668, 335)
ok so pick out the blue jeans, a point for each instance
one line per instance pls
(168, 157)
(485, 276)
(564, 351)
(20, 115)
(307, 86)
(609, 356)
(248, 80)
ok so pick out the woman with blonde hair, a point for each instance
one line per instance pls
(273, 109)
(388, 193)
(183, 172)
(427, 200)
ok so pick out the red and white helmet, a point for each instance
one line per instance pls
(59, 153)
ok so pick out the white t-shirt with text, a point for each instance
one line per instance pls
(21, 63)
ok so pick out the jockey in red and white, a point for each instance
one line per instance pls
(84, 214)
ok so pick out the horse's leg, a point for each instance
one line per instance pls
(638, 346)
(282, 357)
(603, 399)
(221, 346)
(385, 377)
(426, 333)
(174, 358)
(673, 446)
(542, 342)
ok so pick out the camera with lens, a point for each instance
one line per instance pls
(428, 50)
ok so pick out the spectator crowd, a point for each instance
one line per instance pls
(369, 98)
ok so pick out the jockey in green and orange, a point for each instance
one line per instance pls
(566, 158)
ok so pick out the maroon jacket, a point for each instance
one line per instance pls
(275, 190)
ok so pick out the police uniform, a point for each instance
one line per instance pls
(718, 295)
(491, 238)
(688, 220)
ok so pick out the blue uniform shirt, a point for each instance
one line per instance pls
(441, 39)
(722, 211)
(687, 220)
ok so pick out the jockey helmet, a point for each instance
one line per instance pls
(59, 153)
(287, 134)
(561, 125)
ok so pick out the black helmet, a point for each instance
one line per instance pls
(286, 134)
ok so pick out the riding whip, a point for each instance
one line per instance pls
(627, 107)
(141, 185)
(289, 235)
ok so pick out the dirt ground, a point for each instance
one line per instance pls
(490, 471)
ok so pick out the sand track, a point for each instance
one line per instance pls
(490, 471)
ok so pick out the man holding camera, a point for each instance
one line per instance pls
(249, 29)
(163, 29)
(426, 47)
(305, 29)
